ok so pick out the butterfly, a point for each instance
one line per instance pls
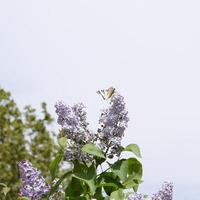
(106, 94)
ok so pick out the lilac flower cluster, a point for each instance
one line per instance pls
(166, 193)
(136, 196)
(73, 121)
(113, 122)
(34, 185)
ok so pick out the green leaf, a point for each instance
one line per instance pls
(135, 171)
(133, 148)
(110, 182)
(132, 183)
(74, 189)
(135, 168)
(120, 168)
(109, 185)
(79, 167)
(54, 164)
(88, 176)
(99, 194)
(99, 161)
(117, 195)
(129, 171)
(93, 150)
(62, 142)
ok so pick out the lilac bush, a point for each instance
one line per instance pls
(87, 151)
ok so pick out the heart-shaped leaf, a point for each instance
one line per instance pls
(117, 195)
(133, 148)
(129, 171)
(93, 150)
(88, 176)
(54, 164)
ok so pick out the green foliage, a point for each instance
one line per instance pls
(54, 164)
(93, 150)
(128, 170)
(62, 142)
(87, 175)
(41, 145)
(133, 148)
(23, 135)
(110, 182)
(85, 183)
(117, 195)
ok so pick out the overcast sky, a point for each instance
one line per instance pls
(148, 50)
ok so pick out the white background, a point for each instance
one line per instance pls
(148, 50)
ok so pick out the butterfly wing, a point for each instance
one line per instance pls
(109, 92)
(102, 93)
(106, 94)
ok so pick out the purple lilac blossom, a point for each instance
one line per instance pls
(34, 185)
(113, 122)
(166, 192)
(74, 123)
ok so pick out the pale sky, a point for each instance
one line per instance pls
(148, 50)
